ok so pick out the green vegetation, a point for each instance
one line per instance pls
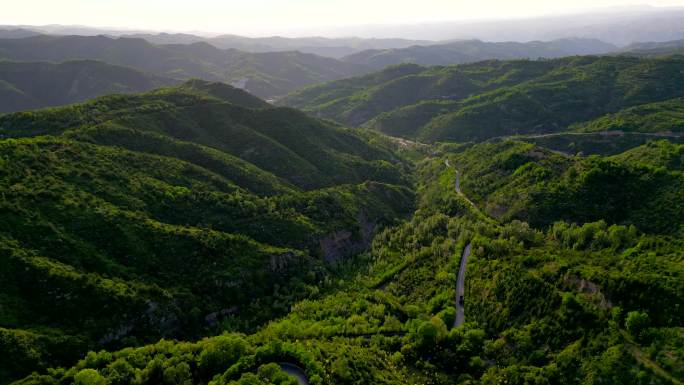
(667, 116)
(516, 180)
(493, 99)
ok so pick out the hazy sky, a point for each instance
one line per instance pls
(259, 17)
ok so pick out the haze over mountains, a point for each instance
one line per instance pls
(272, 67)
(616, 25)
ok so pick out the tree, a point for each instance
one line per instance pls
(220, 353)
(89, 377)
(636, 322)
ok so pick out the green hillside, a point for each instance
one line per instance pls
(596, 143)
(665, 116)
(266, 75)
(31, 85)
(141, 216)
(492, 99)
(569, 303)
(516, 180)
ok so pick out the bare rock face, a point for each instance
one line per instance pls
(343, 243)
(280, 262)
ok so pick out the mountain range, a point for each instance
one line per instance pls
(618, 25)
(615, 25)
(281, 68)
(268, 74)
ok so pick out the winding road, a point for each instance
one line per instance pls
(460, 281)
(460, 287)
(457, 184)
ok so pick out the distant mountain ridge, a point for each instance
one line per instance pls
(468, 51)
(266, 75)
(272, 75)
(654, 49)
(619, 25)
(615, 25)
(322, 46)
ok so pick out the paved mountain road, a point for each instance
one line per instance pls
(457, 183)
(460, 287)
(460, 280)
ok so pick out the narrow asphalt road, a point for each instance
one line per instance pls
(457, 183)
(460, 281)
(460, 287)
(294, 371)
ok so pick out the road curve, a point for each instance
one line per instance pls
(460, 287)
(294, 371)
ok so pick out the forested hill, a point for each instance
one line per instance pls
(264, 74)
(493, 98)
(134, 217)
(31, 85)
